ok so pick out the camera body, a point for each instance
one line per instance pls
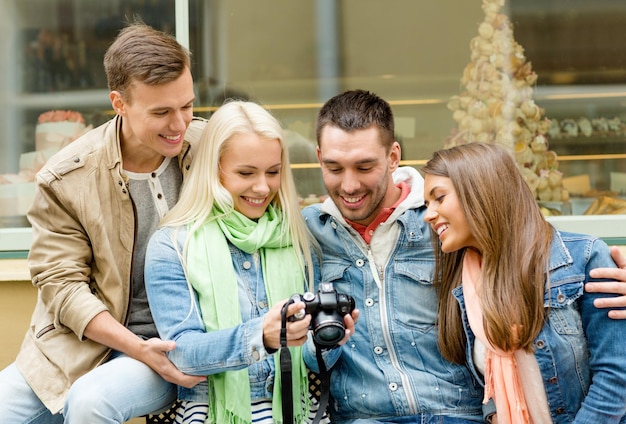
(327, 309)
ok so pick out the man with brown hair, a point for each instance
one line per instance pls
(377, 248)
(92, 353)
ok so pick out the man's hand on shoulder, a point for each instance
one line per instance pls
(617, 286)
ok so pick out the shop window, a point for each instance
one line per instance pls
(292, 56)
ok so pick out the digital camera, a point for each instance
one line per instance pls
(327, 309)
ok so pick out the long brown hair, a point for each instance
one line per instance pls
(514, 240)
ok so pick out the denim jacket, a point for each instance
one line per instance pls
(175, 308)
(580, 350)
(391, 366)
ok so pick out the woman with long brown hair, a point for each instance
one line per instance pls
(511, 299)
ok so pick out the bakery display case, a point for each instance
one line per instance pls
(292, 56)
(578, 54)
(53, 83)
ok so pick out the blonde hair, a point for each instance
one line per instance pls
(514, 240)
(203, 188)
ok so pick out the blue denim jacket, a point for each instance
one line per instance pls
(584, 377)
(177, 315)
(391, 366)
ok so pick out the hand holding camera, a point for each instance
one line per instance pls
(297, 332)
(327, 309)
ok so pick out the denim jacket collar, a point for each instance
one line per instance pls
(559, 254)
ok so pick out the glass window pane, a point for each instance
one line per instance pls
(52, 60)
(292, 56)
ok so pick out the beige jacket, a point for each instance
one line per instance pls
(83, 224)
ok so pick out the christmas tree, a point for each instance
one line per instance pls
(496, 104)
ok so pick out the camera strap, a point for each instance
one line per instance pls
(286, 374)
(285, 368)
(324, 376)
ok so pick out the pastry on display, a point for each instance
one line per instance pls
(311, 199)
(55, 129)
(585, 127)
(606, 205)
(496, 105)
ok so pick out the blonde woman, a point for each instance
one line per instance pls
(221, 266)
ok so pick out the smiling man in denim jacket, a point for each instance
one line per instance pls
(376, 247)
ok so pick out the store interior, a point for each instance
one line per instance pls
(292, 56)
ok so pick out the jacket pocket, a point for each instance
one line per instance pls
(45, 330)
(334, 270)
(413, 300)
(562, 295)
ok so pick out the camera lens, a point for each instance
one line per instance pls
(328, 334)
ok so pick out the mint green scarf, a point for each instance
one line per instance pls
(211, 274)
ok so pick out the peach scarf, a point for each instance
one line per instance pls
(510, 377)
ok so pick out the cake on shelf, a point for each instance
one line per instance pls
(55, 129)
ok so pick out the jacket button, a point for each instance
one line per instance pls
(76, 159)
(553, 380)
(560, 410)
(255, 355)
(540, 344)
(247, 265)
(560, 298)
(369, 302)
(360, 262)
(393, 387)
(378, 350)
